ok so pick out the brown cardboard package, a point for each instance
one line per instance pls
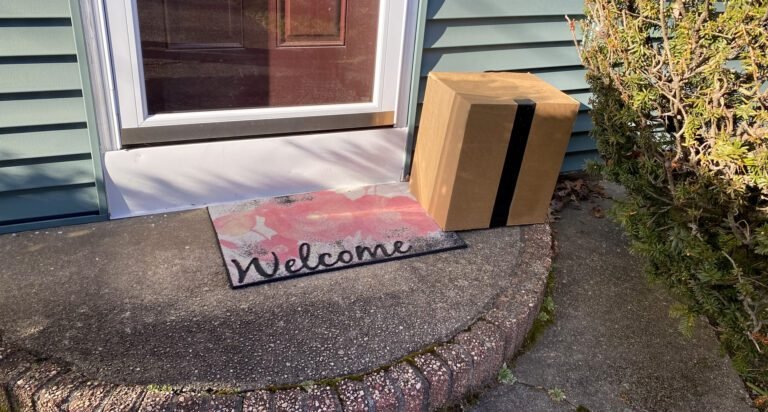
(489, 149)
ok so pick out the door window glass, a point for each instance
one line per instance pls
(231, 54)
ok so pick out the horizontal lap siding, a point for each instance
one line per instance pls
(510, 35)
(20, 9)
(19, 40)
(30, 206)
(463, 9)
(46, 143)
(49, 174)
(40, 110)
(20, 78)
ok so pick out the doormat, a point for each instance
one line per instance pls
(279, 238)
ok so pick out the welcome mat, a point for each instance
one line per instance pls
(290, 236)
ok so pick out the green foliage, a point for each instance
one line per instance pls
(547, 310)
(505, 376)
(680, 110)
(687, 319)
(546, 314)
(556, 394)
(225, 391)
(307, 385)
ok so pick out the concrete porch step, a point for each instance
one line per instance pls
(137, 314)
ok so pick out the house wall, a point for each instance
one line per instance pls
(506, 35)
(50, 166)
(50, 170)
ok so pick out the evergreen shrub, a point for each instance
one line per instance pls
(680, 112)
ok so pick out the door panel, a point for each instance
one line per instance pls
(213, 54)
(311, 22)
(223, 24)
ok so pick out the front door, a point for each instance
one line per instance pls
(201, 55)
(201, 70)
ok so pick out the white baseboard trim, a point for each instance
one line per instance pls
(188, 176)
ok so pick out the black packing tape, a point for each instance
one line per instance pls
(518, 140)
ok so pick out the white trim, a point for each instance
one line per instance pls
(126, 53)
(218, 116)
(179, 177)
(410, 22)
(102, 79)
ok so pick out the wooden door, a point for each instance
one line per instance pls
(229, 54)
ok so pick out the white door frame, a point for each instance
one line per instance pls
(192, 175)
(392, 54)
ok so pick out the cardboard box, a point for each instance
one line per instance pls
(489, 149)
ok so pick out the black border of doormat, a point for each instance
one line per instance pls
(461, 245)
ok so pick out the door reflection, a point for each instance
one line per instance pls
(229, 54)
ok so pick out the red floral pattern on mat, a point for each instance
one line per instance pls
(325, 216)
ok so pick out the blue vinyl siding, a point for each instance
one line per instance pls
(506, 35)
(50, 167)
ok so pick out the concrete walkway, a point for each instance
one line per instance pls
(613, 346)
